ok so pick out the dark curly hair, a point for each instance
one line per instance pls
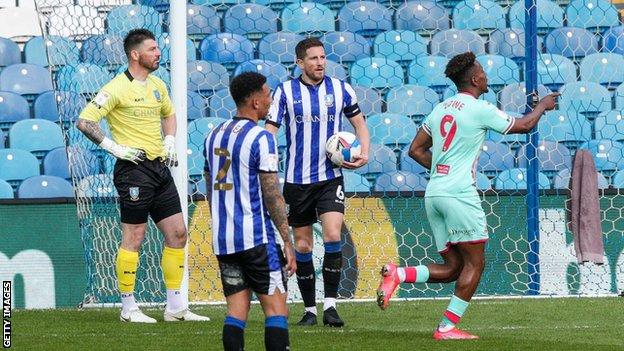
(244, 85)
(135, 38)
(458, 68)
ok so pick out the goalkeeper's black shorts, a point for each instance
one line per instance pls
(146, 189)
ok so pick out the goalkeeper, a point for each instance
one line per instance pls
(137, 107)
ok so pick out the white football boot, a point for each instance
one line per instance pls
(184, 315)
(135, 316)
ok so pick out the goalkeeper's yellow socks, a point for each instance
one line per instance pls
(418, 274)
(453, 314)
(126, 266)
(173, 271)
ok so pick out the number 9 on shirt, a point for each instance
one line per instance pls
(342, 146)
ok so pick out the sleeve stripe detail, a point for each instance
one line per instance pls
(426, 129)
(511, 124)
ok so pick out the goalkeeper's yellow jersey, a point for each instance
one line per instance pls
(133, 110)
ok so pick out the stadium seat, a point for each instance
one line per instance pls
(604, 68)
(25, 79)
(376, 72)
(273, 71)
(124, 18)
(76, 22)
(219, 5)
(83, 78)
(490, 96)
(354, 182)
(562, 180)
(345, 47)
(164, 45)
(587, 98)
(35, 135)
(201, 21)
(279, 47)
(553, 71)
(197, 132)
(278, 5)
(500, 70)
(513, 97)
(408, 164)
(222, 105)
(592, 14)
(159, 5)
(451, 42)
(204, 76)
(83, 163)
(424, 17)
(549, 16)
(9, 53)
(482, 16)
(2, 139)
(482, 182)
(52, 105)
(227, 49)
(6, 190)
(251, 20)
(495, 158)
(366, 18)
(307, 17)
(196, 106)
(17, 165)
(104, 50)
(608, 155)
(619, 97)
(613, 40)
(552, 157)
(332, 69)
(51, 51)
(516, 179)
(369, 100)
(610, 125)
(509, 42)
(40, 187)
(411, 100)
(19, 24)
(391, 129)
(401, 46)
(566, 127)
(574, 43)
(195, 164)
(100, 185)
(400, 181)
(428, 71)
(13, 108)
(380, 159)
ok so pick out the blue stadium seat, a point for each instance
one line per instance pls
(345, 47)
(509, 42)
(2, 139)
(196, 105)
(164, 45)
(39, 187)
(100, 185)
(619, 97)
(376, 72)
(400, 181)
(206, 76)
(604, 68)
(366, 18)
(369, 100)
(195, 164)
(273, 71)
(222, 105)
(500, 70)
(608, 155)
(354, 182)
(9, 53)
(552, 157)
(277, 5)
(408, 164)
(411, 100)
(83, 78)
(197, 132)
(592, 14)
(513, 97)
(158, 5)
(36, 135)
(515, 179)
(251, 20)
(610, 125)
(574, 43)
(495, 158)
(81, 162)
(587, 98)
(401, 46)
(104, 50)
(17, 165)
(25, 79)
(554, 71)
(613, 40)
(428, 71)
(562, 180)
(549, 16)
(490, 96)
(279, 47)
(201, 21)
(380, 159)
(617, 180)
(451, 42)
(425, 17)
(566, 127)
(219, 5)
(124, 18)
(482, 16)
(391, 129)
(6, 190)
(227, 49)
(483, 183)
(51, 105)
(13, 108)
(307, 17)
(332, 69)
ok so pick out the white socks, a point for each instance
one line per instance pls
(311, 309)
(329, 302)
(128, 303)
(401, 274)
(175, 302)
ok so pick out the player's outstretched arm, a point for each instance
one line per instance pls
(525, 124)
(94, 133)
(361, 131)
(419, 149)
(274, 201)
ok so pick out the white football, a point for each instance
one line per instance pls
(342, 146)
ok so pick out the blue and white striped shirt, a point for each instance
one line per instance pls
(311, 114)
(236, 152)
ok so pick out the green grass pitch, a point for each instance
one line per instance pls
(582, 324)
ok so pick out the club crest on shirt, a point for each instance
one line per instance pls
(157, 95)
(329, 100)
(134, 193)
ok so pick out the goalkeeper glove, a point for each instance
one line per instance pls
(171, 159)
(123, 152)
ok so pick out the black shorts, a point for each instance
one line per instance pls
(306, 202)
(261, 269)
(145, 189)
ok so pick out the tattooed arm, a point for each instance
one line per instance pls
(92, 130)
